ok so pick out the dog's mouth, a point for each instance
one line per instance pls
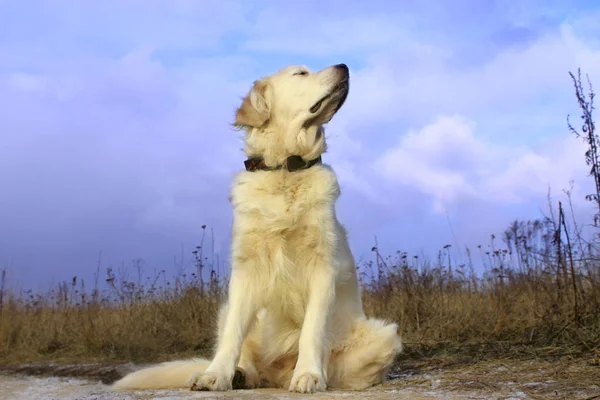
(338, 93)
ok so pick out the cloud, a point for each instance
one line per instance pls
(518, 80)
(495, 130)
(122, 156)
(114, 27)
(436, 160)
(447, 161)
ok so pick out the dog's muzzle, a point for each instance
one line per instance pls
(339, 92)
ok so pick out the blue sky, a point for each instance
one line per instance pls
(115, 135)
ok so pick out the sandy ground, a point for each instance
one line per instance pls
(564, 378)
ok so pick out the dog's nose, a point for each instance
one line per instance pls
(342, 70)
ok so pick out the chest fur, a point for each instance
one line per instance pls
(281, 231)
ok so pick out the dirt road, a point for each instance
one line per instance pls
(29, 388)
(572, 379)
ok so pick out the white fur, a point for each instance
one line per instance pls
(294, 317)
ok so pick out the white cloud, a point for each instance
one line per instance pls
(529, 175)
(494, 131)
(520, 80)
(425, 159)
(449, 162)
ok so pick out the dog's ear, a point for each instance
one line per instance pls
(255, 109)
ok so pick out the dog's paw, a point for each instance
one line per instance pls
(246, 378)
(211, 381)
(307, 382)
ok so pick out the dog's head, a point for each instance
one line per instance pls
(283, 112)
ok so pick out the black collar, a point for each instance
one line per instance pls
(292, 163)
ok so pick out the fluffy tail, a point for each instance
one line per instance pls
(168, 375)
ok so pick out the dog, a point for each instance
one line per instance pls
(294, 316)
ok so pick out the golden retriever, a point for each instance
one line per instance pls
(294, 317)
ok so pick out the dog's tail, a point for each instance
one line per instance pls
(168, 375)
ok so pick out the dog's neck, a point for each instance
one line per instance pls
(277, 148)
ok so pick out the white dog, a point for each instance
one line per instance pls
(294, 316)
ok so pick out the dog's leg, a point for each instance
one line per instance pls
(309, 373)
(240, 312)
(246, 375)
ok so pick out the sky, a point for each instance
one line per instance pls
(116, 143)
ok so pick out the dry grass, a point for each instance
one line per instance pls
(120, 319)
(527, 296)
(563, 377)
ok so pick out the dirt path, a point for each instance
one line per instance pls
(572, 379)
(22, 388)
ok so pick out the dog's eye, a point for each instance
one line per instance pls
(301, 73)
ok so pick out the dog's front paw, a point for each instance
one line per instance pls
(211, 381)
(246, 378)
(307, 382)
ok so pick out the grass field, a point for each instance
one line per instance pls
(539, 292)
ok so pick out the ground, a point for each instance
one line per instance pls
(564, 377)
